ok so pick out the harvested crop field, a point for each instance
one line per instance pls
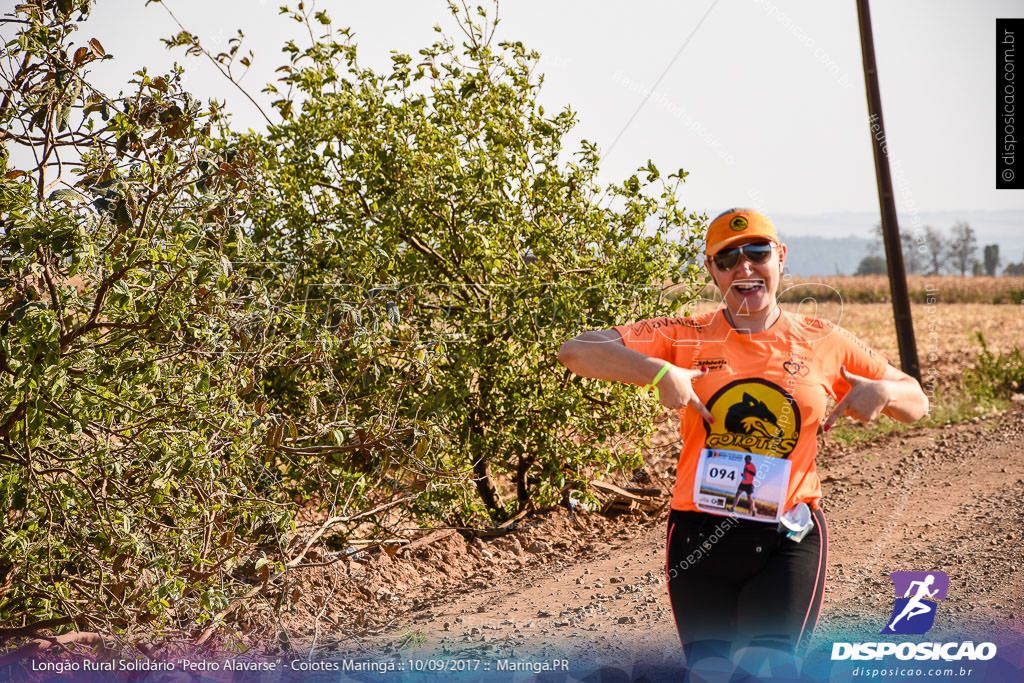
(938, 328)
(921, 288)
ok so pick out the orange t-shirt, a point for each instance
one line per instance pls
(767, 391)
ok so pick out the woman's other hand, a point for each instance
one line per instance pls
(896, 394)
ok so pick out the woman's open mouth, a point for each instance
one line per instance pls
(749, 286)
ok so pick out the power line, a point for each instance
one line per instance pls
(660, 79)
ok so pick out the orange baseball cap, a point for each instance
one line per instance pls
(737, 225)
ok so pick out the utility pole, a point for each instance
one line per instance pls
(887, 204)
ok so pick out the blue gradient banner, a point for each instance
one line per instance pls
(862, 656)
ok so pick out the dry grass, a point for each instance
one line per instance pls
(922, 289)
(938, 328)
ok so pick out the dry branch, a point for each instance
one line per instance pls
(44, 643)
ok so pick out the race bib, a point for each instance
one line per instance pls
(744, 485)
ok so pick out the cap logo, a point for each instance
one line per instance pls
(738, 223)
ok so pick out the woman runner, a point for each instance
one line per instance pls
(750, 381)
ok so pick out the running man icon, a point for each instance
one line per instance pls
(916, 608)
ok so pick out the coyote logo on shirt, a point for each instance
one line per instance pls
(755, 416)
(751, 416)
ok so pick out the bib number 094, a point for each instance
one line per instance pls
(722, 473)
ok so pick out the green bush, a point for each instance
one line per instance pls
(438, 201)
(995, 375)
(202, 332)
(134, 471)
(131, 476)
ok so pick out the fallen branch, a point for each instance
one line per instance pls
(45, 643)
(427, 540)
(621, 497)
(33, 628)
(505, 527)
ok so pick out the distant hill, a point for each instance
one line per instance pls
(809, 256)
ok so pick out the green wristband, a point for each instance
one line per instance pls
(661, 373)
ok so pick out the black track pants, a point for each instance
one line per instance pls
(737, 582)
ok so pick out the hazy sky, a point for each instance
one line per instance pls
(763, 104)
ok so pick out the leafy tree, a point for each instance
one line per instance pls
(131, 475)
(202, 331)
(991, 255)
(913, 257)
(876, 247)
(441, 192)
(936, 246)
(1014, 269)
(872, 265)
(147, 472)
(963, 245)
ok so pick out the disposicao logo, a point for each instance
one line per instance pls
(917, 594)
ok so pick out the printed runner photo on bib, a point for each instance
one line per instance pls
(745, 485)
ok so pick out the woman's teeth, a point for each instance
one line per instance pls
(748, 287)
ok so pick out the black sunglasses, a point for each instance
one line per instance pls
(758, 253)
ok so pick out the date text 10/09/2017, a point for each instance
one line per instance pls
(433, 665)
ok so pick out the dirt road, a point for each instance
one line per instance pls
(948, 499)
